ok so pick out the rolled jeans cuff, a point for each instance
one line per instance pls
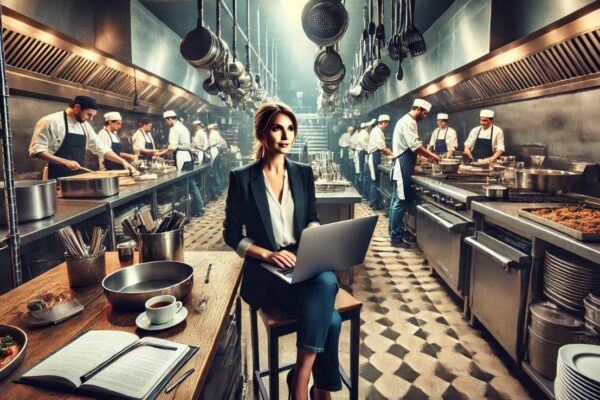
(310, 348)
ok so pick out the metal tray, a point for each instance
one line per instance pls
(574, 233)
(77, 187)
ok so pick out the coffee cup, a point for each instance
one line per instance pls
(162, 309)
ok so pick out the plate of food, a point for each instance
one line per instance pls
(51, 308)
(13, 342)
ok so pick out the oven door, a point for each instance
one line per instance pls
(440, 235)
(499, 276)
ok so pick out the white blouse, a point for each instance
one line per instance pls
(282, 214)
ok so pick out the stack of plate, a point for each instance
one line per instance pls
(569, 278)
(592, 311)
(578, 372)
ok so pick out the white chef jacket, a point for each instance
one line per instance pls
(451, 138)
(215, 141)
(344, 142)
(139, 140)
(200, 144)
(497, 138)
(106, 138)
(376, 140)
(362, 140)
(49, 134)
(179, 139)
(406, 136)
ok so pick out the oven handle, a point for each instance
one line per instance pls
(506, 262)
(450, 227)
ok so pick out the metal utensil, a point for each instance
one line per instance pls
(180, 379)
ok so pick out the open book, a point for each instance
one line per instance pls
(140, 372)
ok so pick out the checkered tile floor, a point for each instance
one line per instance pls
(415, 344)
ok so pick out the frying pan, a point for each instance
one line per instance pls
(329, 66)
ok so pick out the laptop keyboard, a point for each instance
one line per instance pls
(287, 272)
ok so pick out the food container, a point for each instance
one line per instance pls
(76, 187)
(551, 323)
(495, 192)
(542, 355)
(449, 166)
(35, 200)
(21, 338)
(86, 271)
(161, 246)
(545, 180)
(129, 288)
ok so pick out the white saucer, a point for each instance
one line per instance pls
(144, 323)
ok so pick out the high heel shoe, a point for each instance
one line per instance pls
(288, 379)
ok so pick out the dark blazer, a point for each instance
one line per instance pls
(247, 206)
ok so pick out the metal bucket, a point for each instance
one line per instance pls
(543, 354)
(161, 246)
(86, 271)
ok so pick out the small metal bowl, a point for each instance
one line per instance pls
(20, 337)
(129, 288)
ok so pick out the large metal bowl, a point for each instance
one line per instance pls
(545, 180)
(129, 288)
(20, 337)
(449, 166)
(35, 200)
(77, 187)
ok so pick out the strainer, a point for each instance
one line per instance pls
(324, 21)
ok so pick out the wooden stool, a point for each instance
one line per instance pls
(278, 324)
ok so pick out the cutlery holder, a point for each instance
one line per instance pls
(161, 246)
(86, 271)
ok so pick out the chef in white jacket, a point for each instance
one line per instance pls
(200, 141)
(443, 140)
(375, 148)
(485, 142)
(179, 141)
(109, 136)
(344, 143)
(406, 144)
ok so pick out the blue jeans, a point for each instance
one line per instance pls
(398, 210)
(319, 323)
(366, 179)
(374, 195)
(197, 200)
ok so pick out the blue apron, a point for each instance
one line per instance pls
(148, 146)
(72, 148)
(116, 148)
(407, 161)
(376, 161)
(483, 147)
(440, 148)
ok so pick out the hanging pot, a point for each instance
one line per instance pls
(235, 69)
(200, 46)
(210, 86)
(328, 66)
(324, 21)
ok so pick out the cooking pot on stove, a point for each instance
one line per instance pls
(546, 180)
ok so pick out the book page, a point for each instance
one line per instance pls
(137, 372)
(81, 356)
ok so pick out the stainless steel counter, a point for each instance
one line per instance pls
(348, 196)
(508, 214)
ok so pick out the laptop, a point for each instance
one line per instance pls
(328, 247)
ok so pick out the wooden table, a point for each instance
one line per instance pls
(201, 329)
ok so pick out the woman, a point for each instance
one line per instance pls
(274, 199)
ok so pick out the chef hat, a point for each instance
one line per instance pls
(442, 116)
(196, 122)
(371, 122)
(486, 114)
(362, 125)
(212, 126)
(112, 116)
(383, 118)
(422, 103)
(169, 114)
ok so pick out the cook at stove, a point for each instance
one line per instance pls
(443, 139)
(485, 142)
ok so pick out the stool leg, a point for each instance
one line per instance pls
(354, 349)
(273, 366)
(255, 355)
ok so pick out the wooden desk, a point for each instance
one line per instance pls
(200, 329)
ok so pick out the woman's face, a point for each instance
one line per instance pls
(280, 137)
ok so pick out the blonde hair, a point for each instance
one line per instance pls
(263, 121)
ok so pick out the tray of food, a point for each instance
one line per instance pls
(581, 222)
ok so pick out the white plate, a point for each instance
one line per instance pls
(144, 323)
(584, 359)
(577, 383)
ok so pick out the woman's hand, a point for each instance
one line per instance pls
(283, 258)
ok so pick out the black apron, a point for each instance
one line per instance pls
(361, 161)
(483, 147)
(376, 155)
(72, 148)
(148, 146)
(116, 148)
(440, 148)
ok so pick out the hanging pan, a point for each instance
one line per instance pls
(324, 21)
(200, 47)
(328, 66)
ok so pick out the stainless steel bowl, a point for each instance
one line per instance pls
(73, 186)
(495, 192)
(129, 288)
(449, 166)
(35, 200)
(545, 180)
(20, 337)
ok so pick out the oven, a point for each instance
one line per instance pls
(500, 263)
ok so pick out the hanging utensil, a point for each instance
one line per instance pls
(324, 21)
(200, 47)
(392, 49)
(412, 38)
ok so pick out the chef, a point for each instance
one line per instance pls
(200, 141)
(61, 139)
(217, 146)
(406, 144)
(485, 142)
(375, 148)
(364, 144)
(143, 143)
(179, 141)
(344, 143)
(359, 154)
(443, 139)
(109, 137)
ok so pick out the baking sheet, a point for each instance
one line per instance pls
(574, 233)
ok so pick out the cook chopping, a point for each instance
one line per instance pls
(109, 137)
(61, 139)
(443, 139)
(485, 142)
(405, 147)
